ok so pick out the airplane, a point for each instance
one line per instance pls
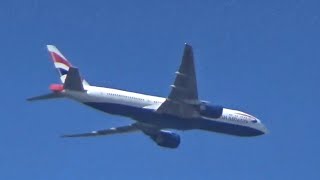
(154, 116)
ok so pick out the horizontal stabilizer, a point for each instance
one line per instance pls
(45, 96)
(73, 80)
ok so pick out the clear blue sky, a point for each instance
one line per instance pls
(261, 57)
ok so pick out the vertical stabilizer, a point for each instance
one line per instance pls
(61, 63)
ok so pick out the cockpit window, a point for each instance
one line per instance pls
(255, 121)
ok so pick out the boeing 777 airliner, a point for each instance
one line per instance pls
(154, 116)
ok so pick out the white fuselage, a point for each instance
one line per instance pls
(100, 95)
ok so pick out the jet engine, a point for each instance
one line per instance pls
(166, 139)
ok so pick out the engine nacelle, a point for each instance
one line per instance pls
(212, 111)
(166, 139)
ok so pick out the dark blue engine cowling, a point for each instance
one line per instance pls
(166, 139)
(212, 111)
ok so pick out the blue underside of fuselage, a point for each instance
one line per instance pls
(171, 122)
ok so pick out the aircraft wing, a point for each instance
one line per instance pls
(184, 93)
(104, 132)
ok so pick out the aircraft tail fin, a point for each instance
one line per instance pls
(61, 63)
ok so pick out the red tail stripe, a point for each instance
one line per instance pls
(57, 58)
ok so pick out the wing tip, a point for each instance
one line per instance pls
(187, 44)
(68, 136)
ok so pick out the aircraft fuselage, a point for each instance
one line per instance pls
(142, 108)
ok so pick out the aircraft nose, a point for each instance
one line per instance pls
(264, 129)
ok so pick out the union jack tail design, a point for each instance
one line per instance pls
(61, 63)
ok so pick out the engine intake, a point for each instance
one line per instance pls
(166, 139)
